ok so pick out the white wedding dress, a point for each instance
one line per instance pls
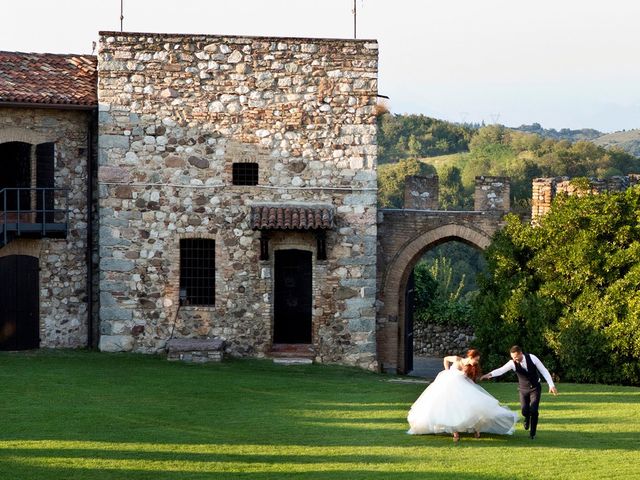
(454, 403)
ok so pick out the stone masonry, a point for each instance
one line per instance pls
(492, 193)
(63, 264)
(431, 340)
(421, 192)
(176, 111)
(544, 190)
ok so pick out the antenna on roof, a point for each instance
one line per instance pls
(355, 14)
(121, 13)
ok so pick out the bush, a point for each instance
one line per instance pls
(438, 299)
(568, 290)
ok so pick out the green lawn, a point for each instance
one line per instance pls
(79, 415)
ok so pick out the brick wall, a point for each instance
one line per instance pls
(544, 190)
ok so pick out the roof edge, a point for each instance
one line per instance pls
(256, 37)
(57, 106)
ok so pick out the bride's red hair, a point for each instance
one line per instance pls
(473, 353)
(472, 371)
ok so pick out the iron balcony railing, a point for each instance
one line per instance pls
(33, 212)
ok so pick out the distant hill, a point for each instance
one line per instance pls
(562, 134)
(628, 140)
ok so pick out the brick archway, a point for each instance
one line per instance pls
(403, 237)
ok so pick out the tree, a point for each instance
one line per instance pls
(569, 288)
(439, 299)
(391, 180)
(452, 195)
(406, 136)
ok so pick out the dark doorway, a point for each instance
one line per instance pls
(292, 297)
(409, 308)
(15, 158)
(19, 303)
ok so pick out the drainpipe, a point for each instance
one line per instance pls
(91, 338)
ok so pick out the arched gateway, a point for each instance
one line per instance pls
(404, 235)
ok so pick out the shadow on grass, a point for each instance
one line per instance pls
(313, 474)
(577, 393)
(127, 463)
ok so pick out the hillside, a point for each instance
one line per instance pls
(628, 140)
(562, 134)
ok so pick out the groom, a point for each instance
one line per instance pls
(528, 368)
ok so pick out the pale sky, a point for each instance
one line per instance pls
(561, 63)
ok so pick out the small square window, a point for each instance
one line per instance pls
(197, 271)
(245, 173)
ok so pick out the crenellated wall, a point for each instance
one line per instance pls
(544, 190)
(421, 192)
(492, 194)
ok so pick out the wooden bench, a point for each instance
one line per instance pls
(198, 350)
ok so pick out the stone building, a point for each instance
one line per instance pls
(237, 194)
(47, 123)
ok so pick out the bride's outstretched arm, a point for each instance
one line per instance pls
(447, 361)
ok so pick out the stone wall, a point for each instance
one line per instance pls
(176, 111)
(440, 340)
(421, 192)
(544, 190)
(63, 267)
(492, 193)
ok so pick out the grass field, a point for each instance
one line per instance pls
(81, 415)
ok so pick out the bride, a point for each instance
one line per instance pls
(453, 403)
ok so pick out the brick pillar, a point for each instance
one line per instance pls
(421, 193)
(543, 192)
(492, 193)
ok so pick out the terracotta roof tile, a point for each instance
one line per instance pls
(291, 217)
(46, 78)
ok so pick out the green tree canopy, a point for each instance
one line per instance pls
(415, 136)
(391, 180)
(568, 289)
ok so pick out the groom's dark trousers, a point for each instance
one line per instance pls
(529, 389)
(529, 401)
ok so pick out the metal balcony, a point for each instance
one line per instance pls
(19, 218)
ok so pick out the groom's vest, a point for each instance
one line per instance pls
(529, 378)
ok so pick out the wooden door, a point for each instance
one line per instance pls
(19, 303)
(45, 170)
(409, 307)
(292, 296)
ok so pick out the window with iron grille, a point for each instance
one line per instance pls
(245, 173)
(197, 271)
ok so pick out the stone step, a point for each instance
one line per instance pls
(293, 361)
(292, 350)
(197, 350)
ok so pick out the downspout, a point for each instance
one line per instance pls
(91, 338)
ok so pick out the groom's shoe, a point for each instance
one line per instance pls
(532, 436)
(526, 423)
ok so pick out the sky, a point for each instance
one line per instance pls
(561, 63)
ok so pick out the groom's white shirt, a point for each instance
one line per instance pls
(511, 365)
